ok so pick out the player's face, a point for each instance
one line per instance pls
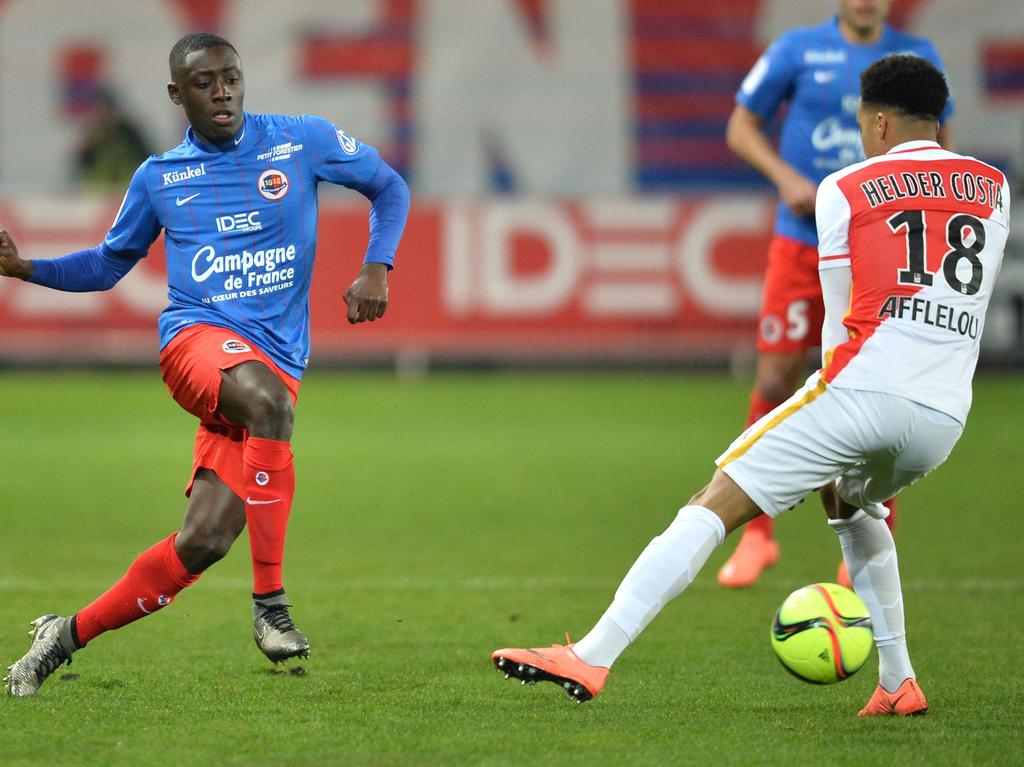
(210, 88)
(864, 16)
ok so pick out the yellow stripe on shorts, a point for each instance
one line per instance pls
(781, 416)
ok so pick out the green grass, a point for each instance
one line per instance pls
(438, 520)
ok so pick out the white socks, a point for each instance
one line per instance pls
(870, 556)
(666, 567)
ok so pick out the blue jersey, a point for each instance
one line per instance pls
(241, 222)
(817, 71)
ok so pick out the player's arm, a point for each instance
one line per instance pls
(79, 272)
(745, 137)
(768, 84)
(99, 268)
(832, 216)
(835, 293)
(367, 297)
(342, 160)
(11, 264)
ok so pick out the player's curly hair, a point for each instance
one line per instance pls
(907, 83)
(195, 41)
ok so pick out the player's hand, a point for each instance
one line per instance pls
(11, 265)
(798, 193)
(367, 297)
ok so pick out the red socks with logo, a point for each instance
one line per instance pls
(269, 488)
(150, 584)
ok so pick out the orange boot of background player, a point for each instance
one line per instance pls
(756, 552)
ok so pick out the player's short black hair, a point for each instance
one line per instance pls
(907, 83)
(195, 41)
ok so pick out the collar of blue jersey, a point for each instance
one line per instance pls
(239, 141)
(912, 146)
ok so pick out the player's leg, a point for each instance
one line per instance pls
(769, 468)
(254, 395)
(842, 573)
(214, 519)
(789, 325)
(663, 570)
(869, 550)
(236, 392)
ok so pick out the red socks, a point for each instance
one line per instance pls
(759, 408)
(891, 519)
(151, 583)
(269, 487)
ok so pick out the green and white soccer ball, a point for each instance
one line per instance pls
(822, 633)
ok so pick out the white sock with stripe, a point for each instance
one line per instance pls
(666, 567)
(870, 555)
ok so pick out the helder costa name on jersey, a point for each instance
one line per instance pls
(966, 238)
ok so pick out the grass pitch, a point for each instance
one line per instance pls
(438, 520)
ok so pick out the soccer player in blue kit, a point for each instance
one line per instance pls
(237, 200)
(815, 70)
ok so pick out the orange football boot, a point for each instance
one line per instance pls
(843, 575)
(755, 553)
(557, 663)
(908, 700)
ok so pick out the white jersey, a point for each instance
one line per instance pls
(922, 231)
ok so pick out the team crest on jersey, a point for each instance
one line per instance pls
(348, 144)
(771, 329)
(272, 184)
(235, 346)
(262, 478)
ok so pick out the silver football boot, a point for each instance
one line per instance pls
(51, 646)
(274, 632)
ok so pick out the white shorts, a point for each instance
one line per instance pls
(878, 443)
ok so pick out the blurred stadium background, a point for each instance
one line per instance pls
(574, 199)
(575, 204)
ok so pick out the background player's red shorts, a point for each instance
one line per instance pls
(791, 307)
(191, 366)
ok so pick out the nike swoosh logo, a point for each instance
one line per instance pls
(254, 502)
(140, 600)
(182, 200)
(239, 139)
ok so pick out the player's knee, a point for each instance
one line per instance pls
(776, 385)
(271, 413)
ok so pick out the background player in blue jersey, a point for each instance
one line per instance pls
(815, 71)
(237, 201)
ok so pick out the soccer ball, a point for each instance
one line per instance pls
(822, 633)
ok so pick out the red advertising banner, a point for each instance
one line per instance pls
(627, 278)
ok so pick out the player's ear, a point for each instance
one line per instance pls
(173, 93)
(881, 125)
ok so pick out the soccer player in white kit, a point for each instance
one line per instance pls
(910, 244)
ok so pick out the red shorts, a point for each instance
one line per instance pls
(191, 366)
(791, 308)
